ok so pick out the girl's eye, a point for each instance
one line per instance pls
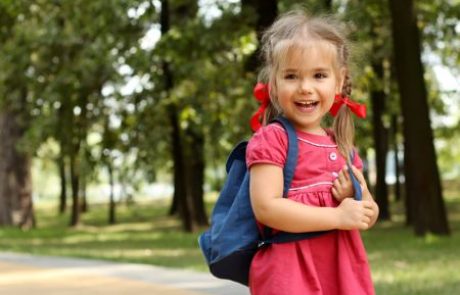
(320, 75)
(290, 76)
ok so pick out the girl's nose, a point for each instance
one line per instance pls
(305, 87)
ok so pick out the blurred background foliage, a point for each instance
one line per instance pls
(125, 94)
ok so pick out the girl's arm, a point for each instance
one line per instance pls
(271, 209)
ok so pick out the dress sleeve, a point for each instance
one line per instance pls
(357, 162)
(268, 146)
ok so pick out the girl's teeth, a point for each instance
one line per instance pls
(307, 103)
(307, 106)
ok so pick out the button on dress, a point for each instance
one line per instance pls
(331, 264)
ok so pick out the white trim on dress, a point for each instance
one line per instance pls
(309, 142)
(311, 185)
(317, 144)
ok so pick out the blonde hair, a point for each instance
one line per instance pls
(293, 30)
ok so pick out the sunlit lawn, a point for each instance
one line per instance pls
(401, 263)
(404, 264)
(143, 234)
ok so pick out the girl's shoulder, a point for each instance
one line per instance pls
(268, 145)
(273, 134)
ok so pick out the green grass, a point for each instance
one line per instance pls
(401, 263)
(404, 264)
(144, 234)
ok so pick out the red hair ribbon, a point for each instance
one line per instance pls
(358, 109)
(261, 94)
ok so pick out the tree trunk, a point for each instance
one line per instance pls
(422, 176)
(74, 181)
(23, 178)
(63, 179)
(78, 132)
(16, 205)
(266, 12)
(394, 135)
(112, 196)
(380, 135)
(62, 132)
(181, 194)
(178, 177)
(83, 195)
(180, 198)
(195, 177)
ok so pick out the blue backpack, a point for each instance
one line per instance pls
(233, 237)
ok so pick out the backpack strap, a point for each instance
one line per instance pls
(289, 166)
(292, 152)
(354, 180)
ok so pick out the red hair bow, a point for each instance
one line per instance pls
(261, 94)
(358, 109)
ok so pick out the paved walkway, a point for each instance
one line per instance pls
(22, 274)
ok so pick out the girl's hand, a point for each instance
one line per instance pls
(367, 196)
(354, 214)
(342, 186)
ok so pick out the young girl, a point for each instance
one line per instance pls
(306, 69)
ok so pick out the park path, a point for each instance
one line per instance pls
(22, 274)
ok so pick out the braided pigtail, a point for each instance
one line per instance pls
(344, 128)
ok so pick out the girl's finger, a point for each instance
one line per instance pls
(368, 205)
(342, 179)
(336, 183)
(335, 193)
(367, 220)
(369, 213)
(345, 173)
(358, 174)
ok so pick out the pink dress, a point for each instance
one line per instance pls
(331, 264)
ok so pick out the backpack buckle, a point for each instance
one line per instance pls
(262, 244)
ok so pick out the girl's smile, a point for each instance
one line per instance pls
(306, 106)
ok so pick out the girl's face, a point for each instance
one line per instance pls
(306, 84)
